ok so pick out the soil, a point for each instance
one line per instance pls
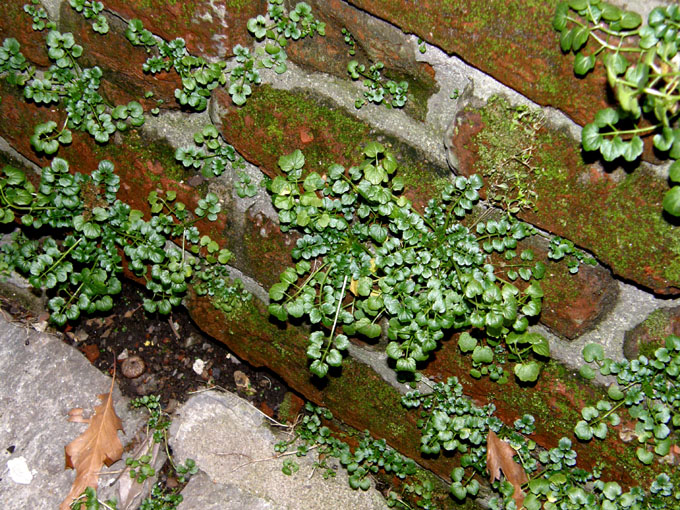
(169, 347)
(178, 359)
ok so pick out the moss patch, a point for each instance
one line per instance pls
(618, 218)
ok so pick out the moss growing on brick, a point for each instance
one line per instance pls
(618, 218)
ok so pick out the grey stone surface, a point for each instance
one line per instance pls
(632, 306)
(204, 494)
(41, 379)
(233, 444)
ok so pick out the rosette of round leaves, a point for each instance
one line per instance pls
(366, 255)
(79, 261)
(76, 88)
(647, 388)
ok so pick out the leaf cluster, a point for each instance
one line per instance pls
(451, 423)
(368, 458)
(92, 10)
(649, 389)
(642, 70)
(41, 20)
(200, 77)
(78, 262)
(210, 154)
(369, 264)
(76, 89)
(225, 294)
(380, 90)
(560, 248)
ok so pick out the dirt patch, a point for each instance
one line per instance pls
(178, 358)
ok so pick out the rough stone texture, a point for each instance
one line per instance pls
(590, 206)
(650, 334)
(375, 40)
(232, 443)
(120, 83)
(201, 493)
(210, 27)
(41, 379)
(615, 216)
(15, 23)
(512, 40)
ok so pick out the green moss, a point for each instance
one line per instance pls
(506, 150)
(656, 325)
(288, 409)
(619, 221)
(146, 150)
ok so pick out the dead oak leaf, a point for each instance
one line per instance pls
(499, 457)
(98, 445)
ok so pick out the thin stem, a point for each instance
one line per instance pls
(337, 313)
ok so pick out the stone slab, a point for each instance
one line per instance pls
(41, 379)
(233, 446)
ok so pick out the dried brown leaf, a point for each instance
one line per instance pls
(98, 445)
(499, 457)
(130, 491)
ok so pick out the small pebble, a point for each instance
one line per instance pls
(198, 366)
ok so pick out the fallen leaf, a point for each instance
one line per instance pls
(91, 352)
(499, 457)
(98, 445)
(129, 489)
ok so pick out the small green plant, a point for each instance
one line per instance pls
(369, 457)
(41, 20)
(80, 268)
(225, 294)
(157, 427)
(161, 498)
(200, 77)
(379, 90)
(648, 388)
(506, 153)
(211, 155)
(369, 264)
(244, 185)
(349, 40)
(92, 10)
(642, 70)
(75, 88)
(450, 422)
(560, 248)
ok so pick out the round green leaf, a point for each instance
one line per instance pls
(583, 431)
(527, 372)
(615, 393)
(671, 201)
(482, 354)
(591, 137)
(318, 368)
(674, 172)
(593, 352)
(466, 342)
(583, 63)
(644, 456)
(630, 20)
